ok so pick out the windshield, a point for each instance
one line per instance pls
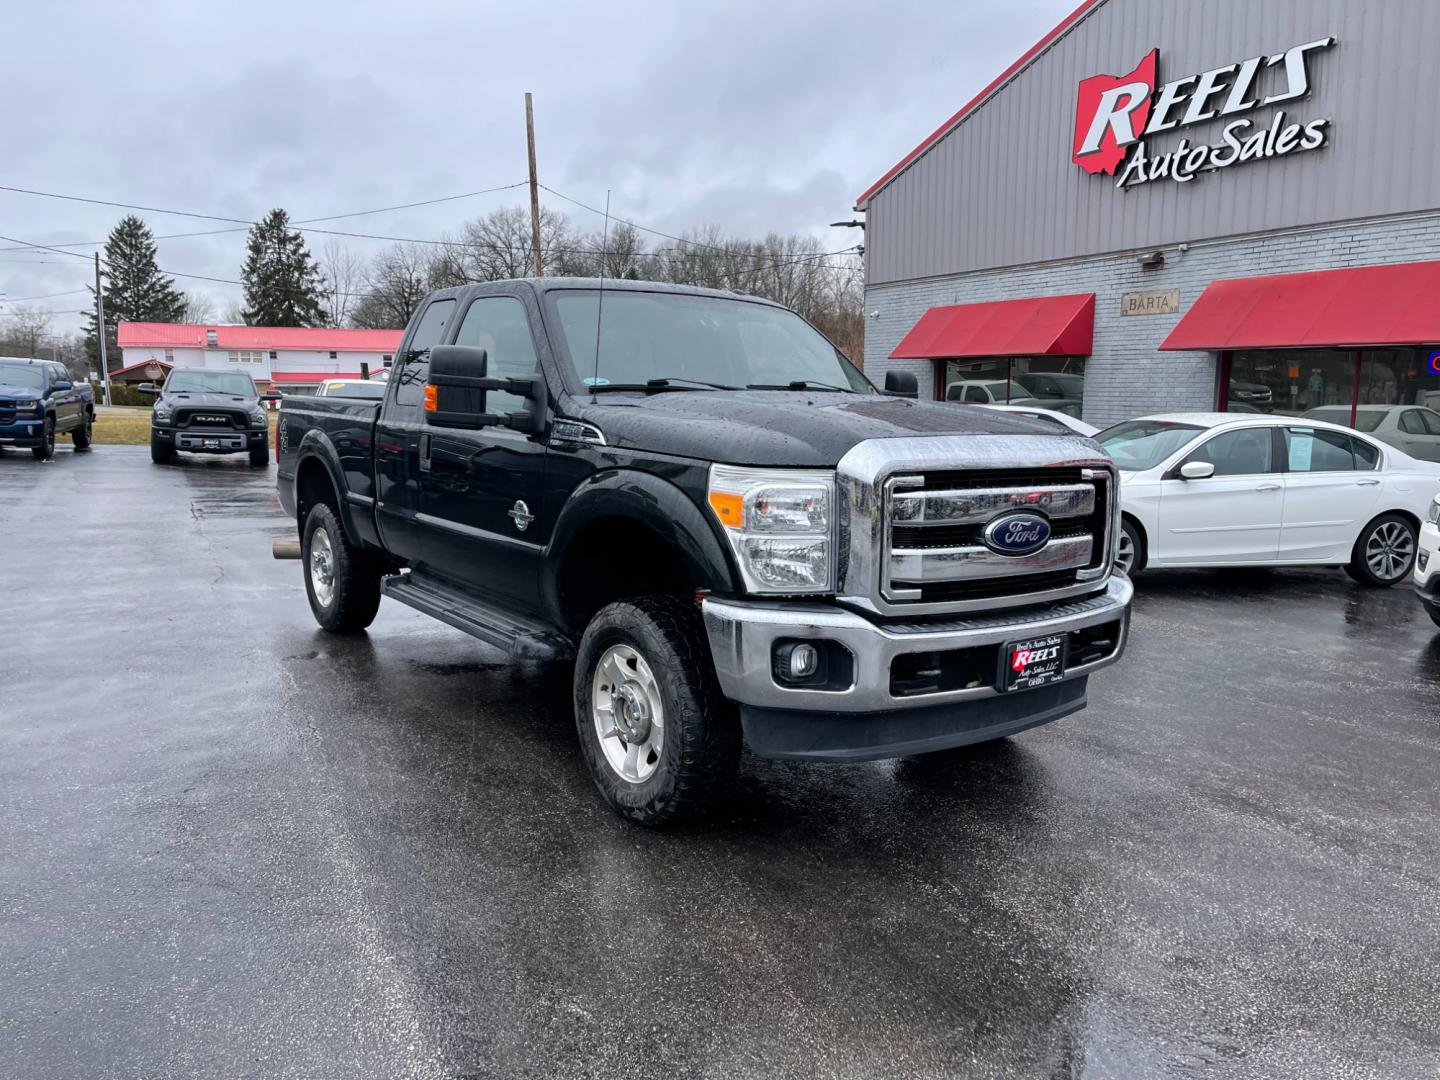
(210, 382)
(29, 376)
(354, 389)
(698, 339)
(1364, 420)
(1143, 444)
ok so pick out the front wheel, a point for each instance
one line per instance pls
(260, 458)
(341, 582)
(82, 434)
(1385, 553)
(1435, 615)
(660, 739)
(161, 453)
(46, 450)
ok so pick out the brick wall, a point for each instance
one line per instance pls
(1127, 375)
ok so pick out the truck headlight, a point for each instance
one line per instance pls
(22, 405)
(258, 418)
(780, 525)
(162, 412)
(1434, 516)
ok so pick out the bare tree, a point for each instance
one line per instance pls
(343, 274)
(199, 308)
(25, 328)
(235, 314)
(397, 281)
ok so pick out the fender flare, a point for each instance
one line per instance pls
(316, 445)
(651, 501)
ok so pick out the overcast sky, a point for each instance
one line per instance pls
(753, 116)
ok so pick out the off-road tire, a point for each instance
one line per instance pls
(260, 458)
(1359, 567)
(46, 450)
(356, 596)
(160, 453)
(1434, 615)
(81, 435)
(701, 749)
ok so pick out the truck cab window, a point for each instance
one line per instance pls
(498, 325)
(410, 378)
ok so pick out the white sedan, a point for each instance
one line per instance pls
(1231, 489)
(1053, 417)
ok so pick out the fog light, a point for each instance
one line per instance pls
(804, 659)
(796, 662)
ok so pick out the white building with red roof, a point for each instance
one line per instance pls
(289, 358)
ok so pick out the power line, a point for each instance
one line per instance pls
(46, 296)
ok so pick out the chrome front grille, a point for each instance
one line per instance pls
(912, 511)
(933, 547)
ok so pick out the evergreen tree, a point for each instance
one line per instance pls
(133, 287)
(282, 282)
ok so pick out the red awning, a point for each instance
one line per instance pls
(1037, 326)
(1397, 304)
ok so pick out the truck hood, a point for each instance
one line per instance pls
(192, 398)
(785, 428)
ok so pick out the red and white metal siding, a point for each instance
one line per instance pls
(1000, 189)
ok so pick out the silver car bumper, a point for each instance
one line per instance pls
(743, 635)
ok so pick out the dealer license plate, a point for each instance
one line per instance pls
(210, 444)
(1025, 665)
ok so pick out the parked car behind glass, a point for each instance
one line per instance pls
(1412, 428)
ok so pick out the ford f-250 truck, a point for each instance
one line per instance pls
(698, 502)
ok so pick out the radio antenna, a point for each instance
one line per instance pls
(600, 301)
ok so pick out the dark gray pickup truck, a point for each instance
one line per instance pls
(696, 502)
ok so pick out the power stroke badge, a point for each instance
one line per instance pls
(1116, 114)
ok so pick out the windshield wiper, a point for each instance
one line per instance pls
(800, 384)
(655, 386)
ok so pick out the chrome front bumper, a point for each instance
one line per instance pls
(743, 636)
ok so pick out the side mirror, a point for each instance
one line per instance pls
(62, 384)
(146, 388)
(458, 383)
(1197, 470)
(902, 384)
(272, 395)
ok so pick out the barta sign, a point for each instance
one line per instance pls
(1115, 114)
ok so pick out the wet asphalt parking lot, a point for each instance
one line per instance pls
(231, 846)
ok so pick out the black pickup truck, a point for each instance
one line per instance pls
(209, 412)
(694, 500)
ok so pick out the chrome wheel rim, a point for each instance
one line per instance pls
(1125, 556)
(1389, 551)
(322, 567)
(626, 710)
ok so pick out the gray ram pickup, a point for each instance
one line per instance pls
(698, 508)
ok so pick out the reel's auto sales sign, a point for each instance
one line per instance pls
(1115, 114)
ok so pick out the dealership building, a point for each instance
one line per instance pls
(1168, 205)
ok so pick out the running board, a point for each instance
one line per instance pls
(522, 638)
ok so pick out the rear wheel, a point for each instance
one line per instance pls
(343, 584)
(81, 434)
(660, 739)
(1385, 553)
(46, 450)
(1131, 556)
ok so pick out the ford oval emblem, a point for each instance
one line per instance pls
(1021, 533)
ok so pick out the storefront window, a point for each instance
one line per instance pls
(1051, 382)
(1325, 383)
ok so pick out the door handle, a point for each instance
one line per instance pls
(1268, 487)
(1367, 483)
(425, 452)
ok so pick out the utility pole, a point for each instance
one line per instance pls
(534, 186)
(100, 329)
